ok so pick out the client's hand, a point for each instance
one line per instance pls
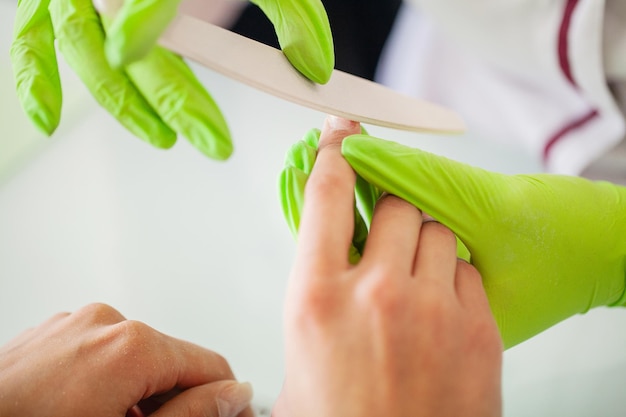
(407, 331)
(96, 363)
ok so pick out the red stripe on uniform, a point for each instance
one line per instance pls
(563, 44)
(573, 125)
(564, 62)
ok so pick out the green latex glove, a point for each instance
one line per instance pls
(298, 165)
(156, 98)
(547, 246)
(302, 28)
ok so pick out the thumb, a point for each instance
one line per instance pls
(218, 399)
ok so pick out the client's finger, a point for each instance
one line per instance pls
(327, 222)
(436, 254)
(469, 288)
(393, 235)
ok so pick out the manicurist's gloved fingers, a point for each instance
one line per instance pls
(80, 39)
(298, 166)
(35, 65)
(302, 28)
(182, 102)
(304, 35)
(136, 27)
(449, 191)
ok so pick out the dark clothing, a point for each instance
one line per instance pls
(360, 29)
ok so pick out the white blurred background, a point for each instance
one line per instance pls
(198, 249)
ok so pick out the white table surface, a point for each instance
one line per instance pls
(198, 249)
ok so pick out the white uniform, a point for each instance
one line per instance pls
(548, 74)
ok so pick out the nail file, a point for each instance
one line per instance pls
(267, 69)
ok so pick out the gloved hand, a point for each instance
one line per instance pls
(301, 26)
(547, 246)
(157, 97)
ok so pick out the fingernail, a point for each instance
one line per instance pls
(233, 399)
(339, 123)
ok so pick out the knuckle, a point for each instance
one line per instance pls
(330, 185)
(221, 366)
(131, 339)
(467, 271)
(433, 302)
(133, 331)
(432, 308)
(484, 334)
(99, 313)
(394, 207)
(383, 294)
(120, 344)
(317, 303)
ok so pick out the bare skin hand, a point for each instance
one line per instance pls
(96, 363)
(405, 332)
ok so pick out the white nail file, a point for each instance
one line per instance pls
(267, 69)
